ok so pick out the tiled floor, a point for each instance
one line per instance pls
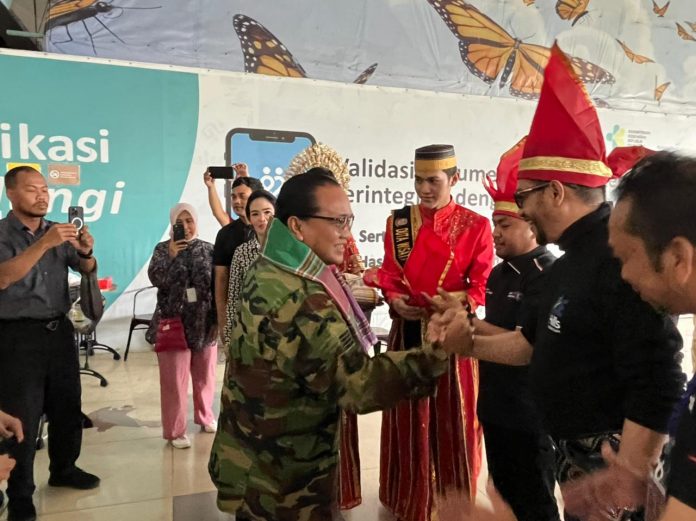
(146, 480)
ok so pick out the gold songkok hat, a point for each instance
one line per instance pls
(435, 157)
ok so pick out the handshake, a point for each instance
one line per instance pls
(451, 324)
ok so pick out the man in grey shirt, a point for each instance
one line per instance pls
(39, 366)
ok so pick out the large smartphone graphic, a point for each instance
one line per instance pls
(266, 152)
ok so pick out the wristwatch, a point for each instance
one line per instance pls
(87, 255)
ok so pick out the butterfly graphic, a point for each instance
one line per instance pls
(660, 89)
(572, 9)
(635, 58)
(64, 13)
(265, 54)
(660, 11)
(490, 52)
(683, 34)
(528, 2)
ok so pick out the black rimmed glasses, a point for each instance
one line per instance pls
(341, 222)
(521, 195)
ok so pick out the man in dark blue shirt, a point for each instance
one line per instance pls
(39, 366)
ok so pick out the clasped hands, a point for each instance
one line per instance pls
(449, 324)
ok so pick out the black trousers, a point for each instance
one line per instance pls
(522, 465)
(40, 373)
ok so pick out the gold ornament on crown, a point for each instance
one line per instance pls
(320, 155)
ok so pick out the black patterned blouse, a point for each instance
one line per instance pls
(191, 268)
(244, 257)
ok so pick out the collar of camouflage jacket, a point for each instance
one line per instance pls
(285, 251)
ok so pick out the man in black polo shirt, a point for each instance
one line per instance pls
(39, 367)
(520, 455)
(228, 238)
(604, 364)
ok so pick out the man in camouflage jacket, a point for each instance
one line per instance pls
(293, 361)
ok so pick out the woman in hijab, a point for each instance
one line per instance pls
(182, 271)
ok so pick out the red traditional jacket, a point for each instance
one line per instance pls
(452, 248)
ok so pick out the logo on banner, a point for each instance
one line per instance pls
(59, 174)
(624, 137)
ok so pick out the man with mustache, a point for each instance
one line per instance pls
(604, 364)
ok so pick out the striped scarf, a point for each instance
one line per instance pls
(289, 254)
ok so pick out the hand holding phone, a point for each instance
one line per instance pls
(221, 172)
(76, 217)
(178, 241)
(178, 233)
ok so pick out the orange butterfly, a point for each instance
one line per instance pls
(683, 34)
(64, 13)
(490, 52)
(528, 2)
(636, 58)
(660, 89)
(265, 54)
(572, 9)
(660, 11)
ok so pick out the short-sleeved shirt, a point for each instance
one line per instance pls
(43, 292)
(228, 239)
(512, 297)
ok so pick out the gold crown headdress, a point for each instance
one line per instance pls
(320, 155)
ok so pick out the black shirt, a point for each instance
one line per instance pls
(43, 292)
(512, 297)
(601, 354)
(228, 238)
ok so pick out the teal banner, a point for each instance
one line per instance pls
(115, 140)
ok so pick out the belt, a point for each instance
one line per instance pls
(50, 324)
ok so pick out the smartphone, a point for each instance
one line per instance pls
(178, 233)
(267, 154)
(221, 172)
(76, 216)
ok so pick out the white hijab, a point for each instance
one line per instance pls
(176, 211)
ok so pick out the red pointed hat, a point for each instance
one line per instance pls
(565, 142)
(623, 159)
(502, 190)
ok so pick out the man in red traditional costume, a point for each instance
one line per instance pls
(434, 444)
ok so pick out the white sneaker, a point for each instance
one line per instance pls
(211, 427)
(182, 442)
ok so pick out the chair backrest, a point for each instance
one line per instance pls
(137, 293)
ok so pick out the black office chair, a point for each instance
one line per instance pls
(138, 321)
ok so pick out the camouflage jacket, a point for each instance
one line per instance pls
(292, 362)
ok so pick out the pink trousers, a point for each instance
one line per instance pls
(175, 368)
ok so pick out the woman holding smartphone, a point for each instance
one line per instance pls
(181, 269)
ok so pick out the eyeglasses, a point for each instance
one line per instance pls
(521, 195)
(342, 222)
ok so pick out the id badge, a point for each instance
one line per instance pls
(191, 295)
